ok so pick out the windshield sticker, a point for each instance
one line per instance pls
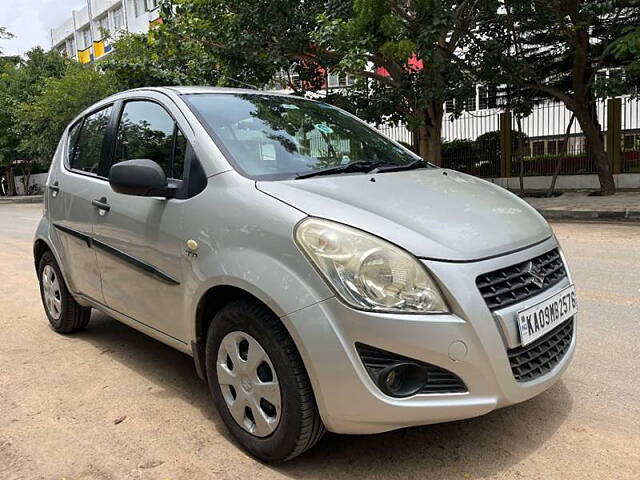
(323, 128)
(289, 106)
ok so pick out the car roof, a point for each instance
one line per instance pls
(193, 90)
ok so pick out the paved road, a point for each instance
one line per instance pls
(59, 396)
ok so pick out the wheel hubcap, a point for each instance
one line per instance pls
(249, 384)
(51, 292)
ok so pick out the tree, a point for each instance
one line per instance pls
(554, 49)
(246, 43)
(153, 59)
(5, 35)
(409, 44)
(41, 120)
(627, 50)
(416, 50)
(21, 80)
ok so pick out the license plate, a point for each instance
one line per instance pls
(543, 317)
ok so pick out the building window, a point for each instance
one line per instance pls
(118, 19)
(449, 105)
(554, 147)
(84, 38)
(139, 7)
(103, 26)
(71, 46)
(487, 96)
(153, 4)
(470, 103)
(631, 142)
(538, 148)
(340, 80)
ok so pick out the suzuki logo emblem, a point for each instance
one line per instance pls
(536, 275)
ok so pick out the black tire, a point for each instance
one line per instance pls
(73, 316)
(300, 425)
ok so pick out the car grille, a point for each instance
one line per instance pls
(539, 357)
(440, 380)
(514, 284)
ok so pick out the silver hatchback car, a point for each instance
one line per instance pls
(321, 275)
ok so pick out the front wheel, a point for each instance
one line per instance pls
(259, 383)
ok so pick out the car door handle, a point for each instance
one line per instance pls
(101, 204)
(55, 188)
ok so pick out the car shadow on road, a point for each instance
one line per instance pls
(478, 447)
(482, 446)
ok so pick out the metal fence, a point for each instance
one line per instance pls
(473, 142)
(630, 135)
(397, 132)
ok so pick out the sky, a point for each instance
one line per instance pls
(31, 21)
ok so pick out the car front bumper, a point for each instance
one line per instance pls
(347, 397)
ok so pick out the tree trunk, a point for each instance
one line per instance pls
(520, 147)
(11, 185)
(595, 144)
(430, 134)
(430, 144)
(561, 153)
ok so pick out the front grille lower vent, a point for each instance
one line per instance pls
(539, 357)
(516, 283)
(440, 380)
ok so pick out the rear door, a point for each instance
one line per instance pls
(140, 241)
(73, 187)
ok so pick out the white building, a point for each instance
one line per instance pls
(87, 35)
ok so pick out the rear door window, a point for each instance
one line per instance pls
(86, 151)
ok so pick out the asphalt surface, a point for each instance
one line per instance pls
(111, 403)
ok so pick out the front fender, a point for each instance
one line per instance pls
(275, 282)
(245, 240)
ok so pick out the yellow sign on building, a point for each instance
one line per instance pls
(98, 48)
(84, 56)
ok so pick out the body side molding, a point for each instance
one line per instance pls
(136, 262)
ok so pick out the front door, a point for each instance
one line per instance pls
(139, 241)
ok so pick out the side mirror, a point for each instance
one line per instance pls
(144, 178)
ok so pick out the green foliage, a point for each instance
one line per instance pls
(554, 48)
(21, 81)
(627, 49)
(489, 144)
(155, 59)
(481, 154)
(250, 40)
(415, 48)
(5, 35)
(460, 150)
(41, 121)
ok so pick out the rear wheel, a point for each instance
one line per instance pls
(64, 313)
(259, 383)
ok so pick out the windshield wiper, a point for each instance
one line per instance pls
(419, 163)
(358, 166)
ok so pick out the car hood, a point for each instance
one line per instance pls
(432, 213)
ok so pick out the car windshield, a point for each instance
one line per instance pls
(275, 137)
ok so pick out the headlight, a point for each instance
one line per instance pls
(368, 272)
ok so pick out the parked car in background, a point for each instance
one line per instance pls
(321, 275)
